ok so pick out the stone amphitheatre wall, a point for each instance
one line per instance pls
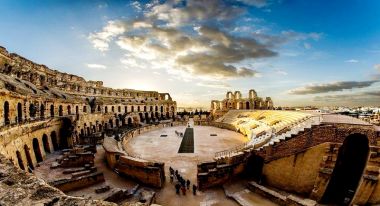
(118, 158)
(43, 110)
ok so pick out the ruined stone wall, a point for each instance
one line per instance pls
(20, 188)
(297, 172)
(236, 101)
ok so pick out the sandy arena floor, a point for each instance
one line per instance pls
(152, 146)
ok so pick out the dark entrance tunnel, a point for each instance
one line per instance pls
(349, 167)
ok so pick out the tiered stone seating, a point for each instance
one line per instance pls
(266, 127)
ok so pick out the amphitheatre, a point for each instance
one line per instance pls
(68, 141)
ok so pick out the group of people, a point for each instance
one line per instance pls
(181, 184)
(179, 134)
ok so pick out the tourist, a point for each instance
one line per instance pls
(183, 188)
(194, 190)
(177, 187)
(188, 184)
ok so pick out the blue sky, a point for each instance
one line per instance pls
(298, 52)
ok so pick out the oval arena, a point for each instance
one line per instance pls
(68, 141)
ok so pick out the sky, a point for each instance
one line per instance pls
(322, 53)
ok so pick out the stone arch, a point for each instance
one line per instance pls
(77, 109)
(129, 121)
(348, 171)
(46, 144)
(68, 109)
(60, 111)
(51, 110)
(19, 112)
(111, 123)
(32, 110)
(162, 109)
(247, 106)
(113, 109)
(237, 95)
(252, 94)
(6, 113)
(37, 150)
(229, 95)
(99, 108)
(105, 109)
(119, 109)
(156, 108)
(19, 160)
(42, 111)
(138, 108)
(147, 117)
(54, 140)
(132, 108)
(85, 109)
(28, 158)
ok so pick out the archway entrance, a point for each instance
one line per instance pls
(130, 122)
(42, 111)
(349, 167)
(6, 113)
(54, 140)
(51, 110)
(19, 112)
(19, 160)
(45, 142)
(28, 159)
(37, 151)
(247, 105)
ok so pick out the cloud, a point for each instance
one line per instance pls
(214, 84)
(370, 97)
(100, 40)
(281, 72)
(174, 13)
(331, 87)
(136, 5)
(96, 66)
(377, 67)
(256, 3)
(307, 45)
(290, 34)
(352, 61)
(184, 39)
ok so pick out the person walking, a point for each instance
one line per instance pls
(177, 187)
(183, 190)
(188, 184)
(194, 190)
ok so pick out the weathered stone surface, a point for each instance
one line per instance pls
(20, 188)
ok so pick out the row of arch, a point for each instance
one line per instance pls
(37, 151)
(68, 110)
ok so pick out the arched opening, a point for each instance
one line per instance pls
(76, 109)
(60, 111)
(147, 117)
(45, 142)
(118, 109)
(54, 140)
(19, 112)
(130, 122)
(37, 150)
(32, 111)
(141, 117)
(138, 108)
(348, 170)
(111, 123)
(113, 109)
(28, 159)
(42, 111)
(99, 108)
(125, 109)
(19, 160)
(132, 109)
(51, 110)
(162, 109)
(6, 113)
(156, 108)
(117, 122)
(84, 109)
(68, 109)
(105, 109)
(144, 108)
(247, 105)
